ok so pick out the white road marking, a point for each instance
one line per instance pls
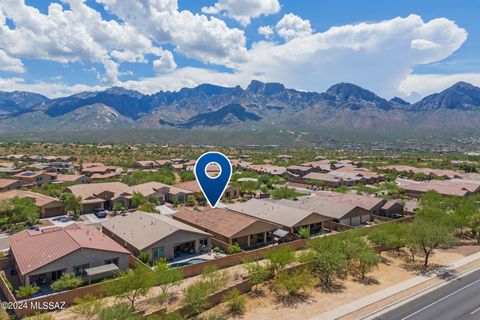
(475, 311)
(439, 300)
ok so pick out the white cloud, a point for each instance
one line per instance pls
(422, 44)
(425, 84)
(376, 55)
(292, 26)
(196, 36)
(379, 56)
(244, 10)
(265, 31)
(166, 63)
(49, 89)
(10, 64)
(76, 34)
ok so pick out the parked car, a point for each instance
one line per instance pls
(100, 213)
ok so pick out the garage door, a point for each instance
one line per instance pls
(52, 212)
(365, 218)
(345, 221)
(90, 207)
(355, 221)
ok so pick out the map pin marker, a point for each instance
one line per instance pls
(213, 187)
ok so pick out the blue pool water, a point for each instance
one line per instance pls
(187, 263)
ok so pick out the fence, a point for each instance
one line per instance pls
(66, 297)
(232, 260)
(244, 286)
(6, 262)
(335, 226)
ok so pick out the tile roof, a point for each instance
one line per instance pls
(448, 187)
(225, 222)
(272, 211)
(89, 191)
(35, 249)
(142, 229)
(363, 201)
(7, 182)
(326, 208)
(39, 199)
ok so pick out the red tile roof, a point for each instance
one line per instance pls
(35, 249)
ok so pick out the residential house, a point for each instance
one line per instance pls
(152, 189)
(230, 227)
(47, 206)
(69, 159)
(60, 167)
(35, 178)
(299, 171)
(458, 187)
(320, 165)
(160, 236)
(391, 209)
(341, 212)
(268, 169)
(101, 171)
(44, 256)
(289, 218)
(10, 184)
(429, 173)
(145, 165)
(230, 192)
(74, 178)
(370, 203)
(102, 195)
(326, 179)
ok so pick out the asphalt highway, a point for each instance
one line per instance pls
(459, 299)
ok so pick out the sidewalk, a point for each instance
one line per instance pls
(367, 305)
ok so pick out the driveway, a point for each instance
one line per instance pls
(55, 221)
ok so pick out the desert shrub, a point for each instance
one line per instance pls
(67, 281)
(26, 291)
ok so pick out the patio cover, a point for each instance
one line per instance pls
(106, 268)
(280, 233)
(101, 269)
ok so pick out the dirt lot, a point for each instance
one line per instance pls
(392, 270)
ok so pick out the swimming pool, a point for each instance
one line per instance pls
(187, 263)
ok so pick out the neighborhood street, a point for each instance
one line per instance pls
(4, 241)
(456, 300)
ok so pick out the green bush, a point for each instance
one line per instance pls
(119, 311)
(26, 291)
(7, 282)
(144, 256)
(304, 233)
(292, 283)
(67, 281)
(235, 248)
(235, 301)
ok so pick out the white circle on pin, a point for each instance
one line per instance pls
(216, 175)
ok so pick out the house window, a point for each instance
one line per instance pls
(80, 270)
(158, 253)
(203, 242)
(113, 260)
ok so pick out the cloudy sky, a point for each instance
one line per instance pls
(395, 48)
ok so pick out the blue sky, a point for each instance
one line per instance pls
(394, 48)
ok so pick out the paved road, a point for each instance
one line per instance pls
(4, 241)
(460, 299)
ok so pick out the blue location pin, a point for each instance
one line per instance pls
(213, 187)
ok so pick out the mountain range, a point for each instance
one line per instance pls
(344, 107)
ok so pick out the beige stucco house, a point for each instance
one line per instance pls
(158, 235)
